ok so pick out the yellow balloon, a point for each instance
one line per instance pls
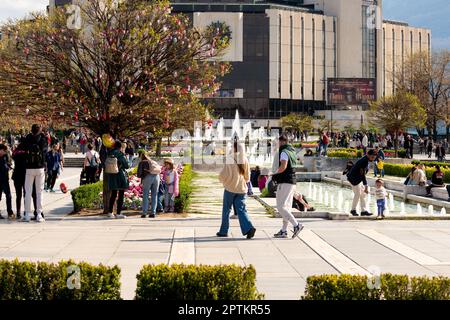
(108, 141)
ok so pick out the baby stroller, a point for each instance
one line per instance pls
(83, 177)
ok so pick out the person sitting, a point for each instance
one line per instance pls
(437, 180)
(418, 177)
(300, 203)
(309, 153)
(262, 179)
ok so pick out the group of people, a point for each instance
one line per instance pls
(36, 162)
(235, 177)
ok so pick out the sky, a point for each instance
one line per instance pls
(432, 14)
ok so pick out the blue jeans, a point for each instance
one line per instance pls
(237, 200)
(377, 171)
(150, 183)
(381, 205)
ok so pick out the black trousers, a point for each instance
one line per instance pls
(51, 178)
(112, 200)
(4, 188)
(19, 185)
(91, 175)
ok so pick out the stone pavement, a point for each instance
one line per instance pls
(412, 247)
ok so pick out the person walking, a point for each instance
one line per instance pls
(357, 178)
(18, 176)
(54, 166)
(364, 143)
(379, 162)
(380, 195)
(149, 172)
(116, 166)
(234, 177)
(171, 181)
(286, 180)
(440, 152)
(83, 142)
(5, 166)
(36, 146)
(430, 147)
(91, 164)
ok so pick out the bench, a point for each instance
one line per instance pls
(440, 193)
(415, 190)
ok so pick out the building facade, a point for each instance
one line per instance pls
(297, 56)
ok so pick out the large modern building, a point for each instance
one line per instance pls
(322, 57)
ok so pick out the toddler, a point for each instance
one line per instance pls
(380, 194)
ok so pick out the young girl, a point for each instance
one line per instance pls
(380, 194)
(171, 181)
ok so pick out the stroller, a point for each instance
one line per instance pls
(83, 177)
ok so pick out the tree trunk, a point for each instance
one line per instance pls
(448, 132)
(396, 143)
(434, 129)
(158, 147)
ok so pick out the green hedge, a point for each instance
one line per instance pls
(48, 281)
(390, 287)
(87, 196)
(192, 282)
(402, 170)
(344, 154)
(183, 201)
(432, 163)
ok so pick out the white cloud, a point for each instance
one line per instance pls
(20, 8)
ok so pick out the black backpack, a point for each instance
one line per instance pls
(35, 156)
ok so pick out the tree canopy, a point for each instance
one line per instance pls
(132, 67)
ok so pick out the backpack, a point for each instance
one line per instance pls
(35, 156)
(93, 163)
(111, 165)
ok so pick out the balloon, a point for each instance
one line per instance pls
(63, 187)
(108, 141)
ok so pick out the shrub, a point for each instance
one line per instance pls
(392, 287)
(402, 170)
(183, 201)
(192, 282)
(264, 193)
(401, 153)
(87, 196)
(444, 165)
(48, 281)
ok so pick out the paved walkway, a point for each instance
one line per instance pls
(413, 247)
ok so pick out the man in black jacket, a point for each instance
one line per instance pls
(36, 147)
(357, 178)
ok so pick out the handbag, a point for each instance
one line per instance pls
(111, 165)
(406, 181)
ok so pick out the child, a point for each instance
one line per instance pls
(262, 179)
(171, 180)
(380, 194)
(380, 167)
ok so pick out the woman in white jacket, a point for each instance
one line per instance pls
(234, 177)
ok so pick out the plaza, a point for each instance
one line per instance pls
(173, 140)
(282, 265)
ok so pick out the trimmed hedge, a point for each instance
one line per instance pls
(183, 201)
(345, 154)
(390, 287)
(192, 282)
(402, 170)
(432, 163)
(87, 196)
(48, 281)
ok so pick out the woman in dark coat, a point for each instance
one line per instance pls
(118, 183)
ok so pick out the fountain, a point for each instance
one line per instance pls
(314, 195)
(419, 209)
(332, 201)
(347, 207)
(326, 198)
(375, 208)
(340, 200)
(443, 211)
(220, 129)
(369, 196)
(310, 189)
(236, 127)
(391, 201)
(320, 195)
(402, 208)
(387, 211)
(430, 209)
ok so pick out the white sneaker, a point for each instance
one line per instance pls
(111, 216)
(40, 218)
(120, 216)
(26, 218)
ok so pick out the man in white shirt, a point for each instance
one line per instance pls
(91, 164)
